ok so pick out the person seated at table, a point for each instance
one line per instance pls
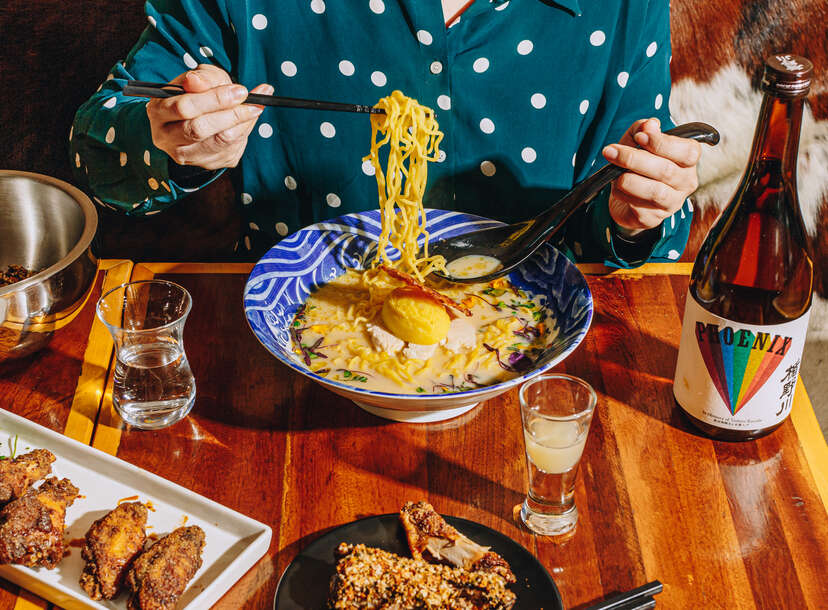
(532, 96)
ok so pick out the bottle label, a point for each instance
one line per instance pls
(737, 376)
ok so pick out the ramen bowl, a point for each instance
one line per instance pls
(282, 280)
(46, 225)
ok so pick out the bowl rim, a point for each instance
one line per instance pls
(90, 226)
(447, 397)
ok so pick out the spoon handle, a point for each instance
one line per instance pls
(550, 221)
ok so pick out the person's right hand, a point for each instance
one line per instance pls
(208, 126)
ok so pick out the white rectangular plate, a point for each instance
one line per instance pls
(233, 542)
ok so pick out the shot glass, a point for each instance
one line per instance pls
(154, 385)
(556, 411)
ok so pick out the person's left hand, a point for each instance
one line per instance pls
(662, 175)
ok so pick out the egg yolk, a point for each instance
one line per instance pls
(414, 317)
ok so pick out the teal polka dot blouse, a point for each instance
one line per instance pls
(527, 93)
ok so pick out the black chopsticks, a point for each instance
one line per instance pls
(137, 88)
(640, 598)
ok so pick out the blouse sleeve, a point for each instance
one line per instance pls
(645, 92)
(111, 145)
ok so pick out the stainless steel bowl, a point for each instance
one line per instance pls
(45, 225)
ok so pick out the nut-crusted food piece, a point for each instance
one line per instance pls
(112, 543)
(17, 475)
(367, 577)
(431, 539)
(31, 527)
(161, 573)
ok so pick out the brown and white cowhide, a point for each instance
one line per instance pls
(719, 49)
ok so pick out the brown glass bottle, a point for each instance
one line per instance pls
(751, 285)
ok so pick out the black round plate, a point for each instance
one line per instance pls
(304, 584)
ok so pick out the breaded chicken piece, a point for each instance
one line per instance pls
(161, 573)
(112, 543)
(31, 527)
(17, 475)
(431, 539)
(368, 577)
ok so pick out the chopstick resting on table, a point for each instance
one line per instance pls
(137, 88)
(640, 598)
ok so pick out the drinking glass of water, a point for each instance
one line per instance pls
(556, 411)
(154, 386)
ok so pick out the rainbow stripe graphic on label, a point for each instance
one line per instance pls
(739, 362)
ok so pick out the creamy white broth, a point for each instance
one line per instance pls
(362, 353)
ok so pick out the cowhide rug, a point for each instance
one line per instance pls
(719, 50)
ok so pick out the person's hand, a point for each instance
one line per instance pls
(208, 126)
(662, 175)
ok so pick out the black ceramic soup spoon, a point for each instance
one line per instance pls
(513, 244)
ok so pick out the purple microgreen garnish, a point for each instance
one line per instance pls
(489, 303)
(309, 351)
(518, 361)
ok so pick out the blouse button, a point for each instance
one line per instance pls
(436, 67)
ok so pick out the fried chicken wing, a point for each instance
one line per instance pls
(161, 573)
(31, 527)
(431, 539)
(17, 475)
(112, 543)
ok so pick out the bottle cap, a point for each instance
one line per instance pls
(787, 75)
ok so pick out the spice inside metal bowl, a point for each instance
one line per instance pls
(46, 229)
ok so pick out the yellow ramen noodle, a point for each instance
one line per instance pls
(341, 332)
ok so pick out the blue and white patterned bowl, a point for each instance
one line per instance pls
(293, 268)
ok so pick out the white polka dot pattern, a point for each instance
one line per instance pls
(609, 237)
(281, 228)
(346, 67)
(622, 79)
(502, 6)
(487, 125)
(651, 49)
(153, 183)
(265, 130)
(583, 107)
(659, 100)
(444, 102)
(290, 183)
(71, 131)
(436, 67)
(247, 242)
(253, 226)
(327, 129)
(110, 103)
(191, 63)
(368, 168)
(487, 168)
(259, 21)
(147, 157)
(424, 37)
(574, 157)
(673, 254)
(205, 51)
(317, 6)
(77, 160)
(333, 200)
(378, 78)
(288, 68)
(152, 21)
(246, 198)
(597, 38)
(122, 159)
(378, 6)
(110, 135)
(528, 154)
(538, 100)
(480, 65)
(441, 156)
(525, 47)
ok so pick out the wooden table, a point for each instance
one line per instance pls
(721, 525)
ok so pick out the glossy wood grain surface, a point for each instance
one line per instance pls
(721, 525)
